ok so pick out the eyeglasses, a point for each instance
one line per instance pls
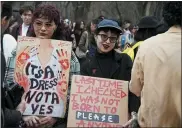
(39, 25)
(113, 39)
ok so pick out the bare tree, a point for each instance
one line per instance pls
(88, 10)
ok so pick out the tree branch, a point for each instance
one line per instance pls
(118, 11)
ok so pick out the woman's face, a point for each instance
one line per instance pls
(106, 41)
(92, 27)
(43, 28)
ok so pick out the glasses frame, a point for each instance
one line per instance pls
(101, 35)
(43, 24)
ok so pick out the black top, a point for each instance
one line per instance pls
(105, 63)
(117, 65)
(114, 66)
(11, 116)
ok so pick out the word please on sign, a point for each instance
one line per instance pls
(97, 102)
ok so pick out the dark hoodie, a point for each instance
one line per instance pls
(9, 117)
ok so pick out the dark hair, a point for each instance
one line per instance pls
(6, 11)
(52, 13)
(101, 17)
(47, 11)
(77, 25)
(88, 27)
(113, 30)
(144, 33)
(127, 21)
(96, 21)
(131, 27)
(172, 13)
(163, 27)
(106, 29)
(25, 8)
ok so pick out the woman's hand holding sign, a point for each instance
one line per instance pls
(32, 121)
(48, 121)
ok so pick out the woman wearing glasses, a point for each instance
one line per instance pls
(107, 63)
(46, 25)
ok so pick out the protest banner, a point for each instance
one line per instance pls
(42, 68)
(98, 102)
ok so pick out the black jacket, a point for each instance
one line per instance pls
(121, 67)
(120, 70)
(17, 31)
(9, 118)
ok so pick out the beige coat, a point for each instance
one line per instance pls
(156, 77)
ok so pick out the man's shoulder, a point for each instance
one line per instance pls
(151, 42)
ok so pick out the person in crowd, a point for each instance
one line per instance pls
(118, 44)
(156, 73)
(82, 45)
(133, 31)
(107, 63)
(73, 27)
(82, 25)
(87, 45)
(73, 24)
(70, 24)
(127, 34)
(147, 28)
(163, 27)
(67, 30)
(78, 30)
(92, 46)
(24, 29)
(9, 117)
(101, 17)
(12, 24)
(46, 25)
(126, 39)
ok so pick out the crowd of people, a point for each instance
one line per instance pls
(147, 54)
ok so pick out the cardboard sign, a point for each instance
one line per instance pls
(42, 68)
(98, 102)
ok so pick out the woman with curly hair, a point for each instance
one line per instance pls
(156, 74)
(46, 25)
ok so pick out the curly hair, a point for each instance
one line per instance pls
(47, 11)
(172, 13)
(52, 14)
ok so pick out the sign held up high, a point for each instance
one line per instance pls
(98, 102)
